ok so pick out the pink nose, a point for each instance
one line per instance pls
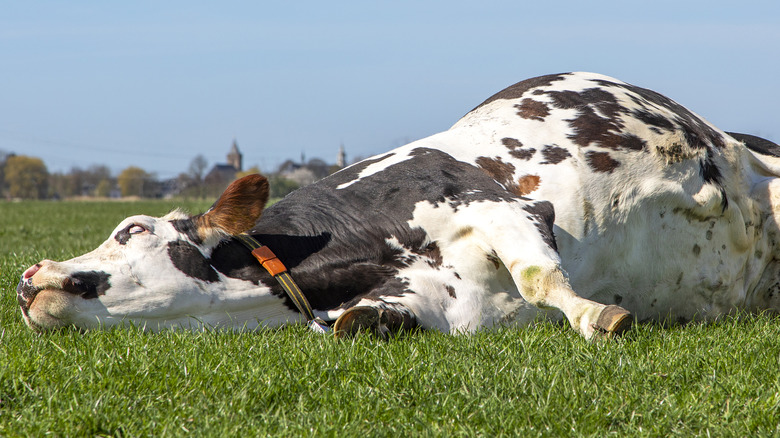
(31, 271)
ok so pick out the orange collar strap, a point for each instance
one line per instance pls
(276, 268)
(268, 259)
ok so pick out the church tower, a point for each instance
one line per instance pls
(235, 158)
(341, 160)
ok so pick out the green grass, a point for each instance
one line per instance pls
(697, 380)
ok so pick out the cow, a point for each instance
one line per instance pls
(572, 195)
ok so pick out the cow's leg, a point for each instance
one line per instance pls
(527, 248)
(380, 320)
(546, 286)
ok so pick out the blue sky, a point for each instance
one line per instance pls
(153, 84)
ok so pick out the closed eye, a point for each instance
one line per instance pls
(123, 236)
(136, 229)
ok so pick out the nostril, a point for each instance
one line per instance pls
(31, 271)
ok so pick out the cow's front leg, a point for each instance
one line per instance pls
(380, 320)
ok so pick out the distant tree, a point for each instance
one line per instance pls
(98, 181)
(3, 157)
(198, 167)
(194, 183)
(281, 186)
(97, 174)
(58, 185)
(103, 188)
(187, 186)
(132, 181)
(84, 182)
(26, 177)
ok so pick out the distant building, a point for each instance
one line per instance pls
(235, 158)
(304, 173)
(341, 160)
(224, 173)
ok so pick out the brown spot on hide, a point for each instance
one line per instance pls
(239, 207)
(532, 109)
(654, 119)
(493, 258)
(450, 291)
(696, 250)
(433, 254)
(517, 90)
(516, 149)
(511, 143)
(591, 128)
(554, 154)
(601, 161)
(499, 170)
(598, 121)
(632, 142)
(523, 154)
(527, 184)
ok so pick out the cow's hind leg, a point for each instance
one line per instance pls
(528, 250)
(383, 321)
(546, 286)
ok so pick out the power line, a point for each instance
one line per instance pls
(17, 136)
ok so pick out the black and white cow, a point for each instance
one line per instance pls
(566, 194)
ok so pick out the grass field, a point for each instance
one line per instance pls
(698, 380)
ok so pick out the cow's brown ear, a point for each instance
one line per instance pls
(237, 210)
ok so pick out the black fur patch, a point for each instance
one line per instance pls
(189, 260)
(187, 227)
(554, 154)
(711, 175)
(124, 235)
(543, 214)
(88, 285)
(758, 144)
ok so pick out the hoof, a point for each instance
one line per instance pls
(358, 319)
(613, 321)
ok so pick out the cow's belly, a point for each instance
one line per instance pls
(659, 261)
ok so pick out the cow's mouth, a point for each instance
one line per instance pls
(42, 317)
(25, 295)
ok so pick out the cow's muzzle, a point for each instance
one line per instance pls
(85, 284)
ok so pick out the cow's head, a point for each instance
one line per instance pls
(154, 272)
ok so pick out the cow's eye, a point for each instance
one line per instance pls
(136, 229)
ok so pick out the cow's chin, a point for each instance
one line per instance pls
(49, 310)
